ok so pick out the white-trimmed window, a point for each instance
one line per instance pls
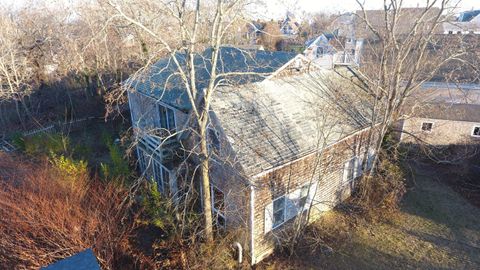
(427, 126)
(476, 131)
(167, 118)
(278, 212)
(162, 177)
(288, 206)
(218, 206)
(349, 171)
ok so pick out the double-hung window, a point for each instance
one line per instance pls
(218, 202)
(288, 206)
(167, 118)
(476, 131)
(278, 211)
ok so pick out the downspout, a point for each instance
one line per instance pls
(239, 248)
(252, 218)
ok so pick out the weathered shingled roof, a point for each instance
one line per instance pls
(162, 81)
(449, 111)
(279, 120)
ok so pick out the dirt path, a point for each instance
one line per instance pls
(436, 229)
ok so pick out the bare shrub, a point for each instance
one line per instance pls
(380, 194)
(43, 220)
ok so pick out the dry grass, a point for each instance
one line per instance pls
(435, 229)
(42, 219)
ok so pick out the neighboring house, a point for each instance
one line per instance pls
(329, 50)
(281, 143)
(253, 31)
(443, 124)
(405, 22)
(467, 23)
(447, 114)
(345, 25)
(289, 26)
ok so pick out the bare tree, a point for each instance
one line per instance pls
(15, 73)
(199, 25)
(401, 53)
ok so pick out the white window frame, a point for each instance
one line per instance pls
(311, 190)
(218, 212)
(284, 211)
(473, 130)
(427, 122)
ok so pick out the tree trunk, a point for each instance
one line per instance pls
(207, 206)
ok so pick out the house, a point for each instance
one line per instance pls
(447, 115)
(468, 22)
(405, 22)
(253, 31)
(289, 26)
(289, 141)
(329, 49)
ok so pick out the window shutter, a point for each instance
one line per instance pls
(268, 217)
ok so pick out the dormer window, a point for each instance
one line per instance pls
(167, 118)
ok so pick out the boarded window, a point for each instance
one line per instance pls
(427, 126)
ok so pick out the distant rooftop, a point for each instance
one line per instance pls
(467, 16)
(452, 112)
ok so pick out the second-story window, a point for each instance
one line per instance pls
(167, 118)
